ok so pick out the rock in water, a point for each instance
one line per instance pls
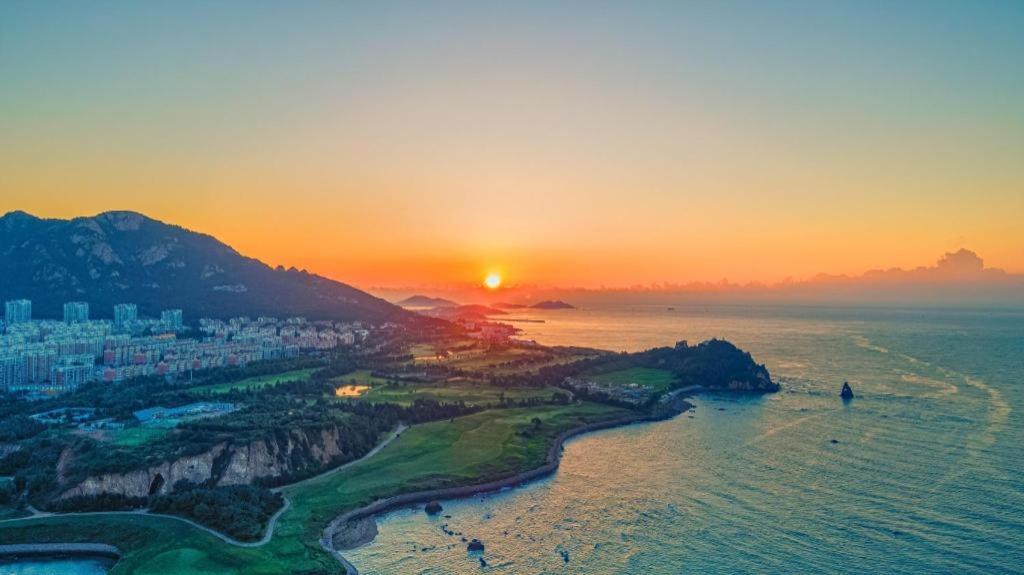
(475, 545)
(847, 392)
(433, 508)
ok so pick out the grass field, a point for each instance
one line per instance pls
(658, 380)
(254, 382)
(359, 377)
(480, 358)
(134, 436)
(469, 392)
(471, 449)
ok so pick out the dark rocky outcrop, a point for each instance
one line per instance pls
(713, 364)
(847, 392)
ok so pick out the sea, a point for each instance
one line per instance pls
(920, 473)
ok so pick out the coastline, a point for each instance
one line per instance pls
(675, 406)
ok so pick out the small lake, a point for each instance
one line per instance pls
(62, 566)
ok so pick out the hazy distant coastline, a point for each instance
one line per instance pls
(957, 279)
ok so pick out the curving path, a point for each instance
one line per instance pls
(394, 435)
(268, 534)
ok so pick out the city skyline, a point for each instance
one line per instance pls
(43, 356)
(568, 147)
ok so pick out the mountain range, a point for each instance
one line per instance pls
(126, 257)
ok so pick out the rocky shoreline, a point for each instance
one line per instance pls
(350, 530)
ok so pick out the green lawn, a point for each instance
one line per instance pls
(471, 449)
(469, 392)
(657, 380)
(151, 545)
(134, 436)
(359, 377)
(255, 382)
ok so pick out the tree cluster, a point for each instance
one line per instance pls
(240, 511)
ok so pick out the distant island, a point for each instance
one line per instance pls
(553, 304)
(426, 302)
(547, 304)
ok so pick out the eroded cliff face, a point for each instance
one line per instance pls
(298, 449)
(152, 481)
(227, 463)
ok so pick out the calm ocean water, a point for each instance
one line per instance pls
(925, 477)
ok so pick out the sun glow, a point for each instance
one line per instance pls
(492, 281)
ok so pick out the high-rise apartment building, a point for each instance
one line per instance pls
(76, 312)
(125, 313)
(17, 311)
(12, 372)
(171, 318)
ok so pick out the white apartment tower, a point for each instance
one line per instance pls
(76, 312)
(125, 313)
(17, 311)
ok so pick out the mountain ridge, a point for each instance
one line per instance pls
(124, 256)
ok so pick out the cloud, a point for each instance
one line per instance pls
(961, 266)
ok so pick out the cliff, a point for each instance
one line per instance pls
(286, 455)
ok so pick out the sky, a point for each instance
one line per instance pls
(565, 144)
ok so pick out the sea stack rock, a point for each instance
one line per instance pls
(475, 545)
(433, 508)
(847, 392)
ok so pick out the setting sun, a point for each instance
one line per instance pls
(492, 281)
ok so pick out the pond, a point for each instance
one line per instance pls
(351, 390)
(64, 566)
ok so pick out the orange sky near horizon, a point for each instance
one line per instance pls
(564, 145)
(357, 254)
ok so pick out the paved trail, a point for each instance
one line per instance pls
(267, 535)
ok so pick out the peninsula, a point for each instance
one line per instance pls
(297, 459)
